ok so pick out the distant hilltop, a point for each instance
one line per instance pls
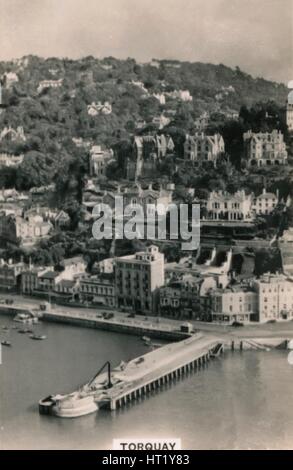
(205, 82)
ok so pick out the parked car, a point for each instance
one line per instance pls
(108, 315)
(9, 301)
(237, 323)
(131, 315)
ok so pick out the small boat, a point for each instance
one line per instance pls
(5, 343)
(38, 337)
(26, 330)
(4, 327)
(25, 318)
(146, 339)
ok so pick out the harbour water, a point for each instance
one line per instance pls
(239, 401)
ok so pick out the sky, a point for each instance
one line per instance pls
(256, 35)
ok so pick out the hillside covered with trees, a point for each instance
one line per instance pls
(53, 116)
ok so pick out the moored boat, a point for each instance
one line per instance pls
(37, 337)
(68, 406)
(25, 318)
(26, 330)
(5, 343)
(81, 402)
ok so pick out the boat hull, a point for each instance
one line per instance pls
(68, 408)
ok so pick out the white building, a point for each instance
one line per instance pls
(201, 148)
(9, 78)
(73, 267)
(98, 289)
(99, 160)
(94, 109)
(9, 160)
(139, 85)
(49, 84)
(183, 95)
(265, 203)
(161, 121)
(275, 297)
(12, 135)
(106, 266)
(32, 230)
(135, 197)
(224, 206)
(160, 97)
(137, 278)
(264, 148)
(236, 303)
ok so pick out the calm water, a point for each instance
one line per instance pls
(242, 400)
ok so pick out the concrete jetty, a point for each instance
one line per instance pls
(137, 378)
(156, 368)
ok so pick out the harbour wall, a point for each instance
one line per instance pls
(117, 327)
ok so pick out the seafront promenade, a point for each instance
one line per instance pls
(142, 325)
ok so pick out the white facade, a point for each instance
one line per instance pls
(98, 289)
(10, 160)
(183, 95)
(10, 78)
(32, 230)
(161, 121)
(275, 297)
(49, 84)
(265, 203)
(99, 160)
(12, 135)
(160, 97)
(265, 148)
(234, 304)
(201, 148)
(224, 206)
(99, 108)
(137, 277)
(289, 116)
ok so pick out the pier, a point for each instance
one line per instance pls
(155, 369)
(135, 379)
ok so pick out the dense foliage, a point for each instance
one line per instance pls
(53, 116)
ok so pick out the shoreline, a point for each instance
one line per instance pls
(258, 336)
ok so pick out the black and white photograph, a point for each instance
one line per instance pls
(146, 226)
